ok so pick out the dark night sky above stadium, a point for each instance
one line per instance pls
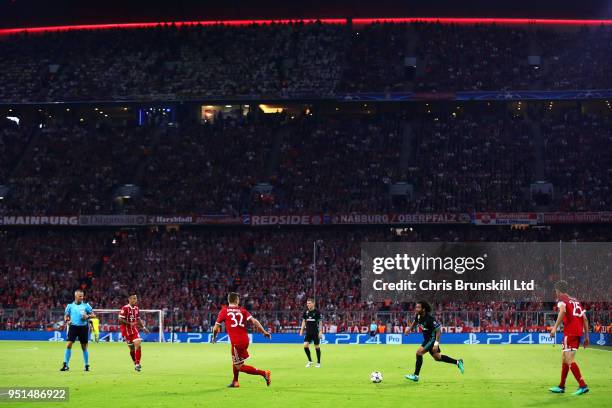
(30, 13)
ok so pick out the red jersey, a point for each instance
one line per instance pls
(235, 319)
(573, 324)
(131, 314)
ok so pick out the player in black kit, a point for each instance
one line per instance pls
(431, 340)
(311, 321)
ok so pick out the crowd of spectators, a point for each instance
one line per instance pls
(209, 168)
(578, 149)
(73, 169)
(13, 140)
(171, 62)
(189, 62)
(469, 163)
(313, 163)
(338, 164)
(458, 162)
(188, 273)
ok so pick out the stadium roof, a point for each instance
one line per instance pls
(42, 13)
(357, 21)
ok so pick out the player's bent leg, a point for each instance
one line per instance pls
(266, 374)
(438, 356)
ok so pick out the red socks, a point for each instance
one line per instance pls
(577, 375)
(236, 372)
(564, 371)
(138, 353)
(575, 370)
(252, 370)
(133, 355)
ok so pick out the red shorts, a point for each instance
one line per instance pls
(571, 343)
(129, 338)
(240, 352)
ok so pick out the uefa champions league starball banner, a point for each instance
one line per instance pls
(597, 339)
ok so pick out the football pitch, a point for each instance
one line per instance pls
(195, 375)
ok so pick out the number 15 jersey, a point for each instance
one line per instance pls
(235, 319)
(573, 320)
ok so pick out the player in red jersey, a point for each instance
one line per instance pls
(129, 317)
(235, 318)
(575, 324)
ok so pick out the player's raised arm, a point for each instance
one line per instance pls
(585, 322)
(559, 319)
(260, 327)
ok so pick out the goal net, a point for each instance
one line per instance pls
(110, 317)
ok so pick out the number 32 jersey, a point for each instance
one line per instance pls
(574, 315)
(235, 319)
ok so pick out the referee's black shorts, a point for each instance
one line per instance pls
(312, 338)
(78, 332)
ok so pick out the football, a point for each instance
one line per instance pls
(376, 377)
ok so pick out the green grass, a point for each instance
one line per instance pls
(186, 375)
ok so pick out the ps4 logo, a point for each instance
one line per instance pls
(345, 338)
(472, 339)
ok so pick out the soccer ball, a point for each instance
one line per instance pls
(376, 377)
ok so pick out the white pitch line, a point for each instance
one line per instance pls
(598, 349)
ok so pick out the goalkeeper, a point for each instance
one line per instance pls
(94, 323)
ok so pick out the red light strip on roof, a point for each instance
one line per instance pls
(357, 21)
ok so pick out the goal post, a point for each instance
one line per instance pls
(158, 312)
